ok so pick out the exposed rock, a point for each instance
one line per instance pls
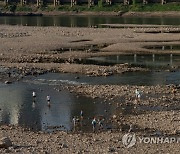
(5, 142)
(7, 82)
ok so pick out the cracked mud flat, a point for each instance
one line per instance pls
(36, 48)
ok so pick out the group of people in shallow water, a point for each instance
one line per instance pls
(96, 122)
(48, 98)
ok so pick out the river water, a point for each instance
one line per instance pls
(131, 78)
(85, 21)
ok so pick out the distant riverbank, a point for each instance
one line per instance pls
(133, 9)
(100, 13)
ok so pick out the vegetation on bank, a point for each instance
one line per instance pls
(136, 7)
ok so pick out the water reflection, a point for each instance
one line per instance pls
(18, 108)
(85, 21)
(164, 47)
(145, 60)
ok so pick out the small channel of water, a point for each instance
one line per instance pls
(131, 78)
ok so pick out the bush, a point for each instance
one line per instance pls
(23, 8)
(12, 8)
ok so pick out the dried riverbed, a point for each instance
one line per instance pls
(54, 45)
(36, 50)
(63, 49)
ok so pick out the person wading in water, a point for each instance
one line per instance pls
(48, 100)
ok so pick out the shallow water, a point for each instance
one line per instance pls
(151, 61)
(18, 108)
(164, 47)
(131, 78)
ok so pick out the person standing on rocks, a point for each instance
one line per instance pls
(94, 124)
(137, 94)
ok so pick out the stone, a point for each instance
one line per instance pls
(64, 145)
(77, 77)
(111, 149)
(7, 82)
(114, 116)
(5, 142)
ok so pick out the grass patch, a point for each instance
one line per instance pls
(84, 7)
(23, 8)
(155, 7)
